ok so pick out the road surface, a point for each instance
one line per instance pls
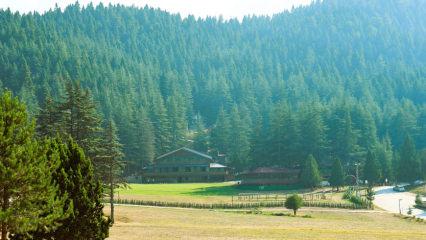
(388, 200)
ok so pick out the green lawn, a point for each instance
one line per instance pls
(201, 189)
(202, 192)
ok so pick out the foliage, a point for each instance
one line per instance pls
(201, 139)
(337, 178)
(81, 191)
(419, 201)
(371, 169)
(310, 176)
(110, 164)
(349, 195)
(26, 192)
(294, 202)
(409, 166)
(370, 194)
(338, 97)
(385, 158)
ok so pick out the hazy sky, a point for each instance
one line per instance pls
(199, 8)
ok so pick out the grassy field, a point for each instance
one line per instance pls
(419, 190)
(171, 223)
(204, 192)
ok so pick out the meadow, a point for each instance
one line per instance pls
(225, 192)
(137, 222)
(419, 190)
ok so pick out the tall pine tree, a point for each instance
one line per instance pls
(111, 165)
(26, 189)
(409, 166)
(371, 169)
(310, 176)
(337, 178)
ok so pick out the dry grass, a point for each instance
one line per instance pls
(419, 190)
(170, 223)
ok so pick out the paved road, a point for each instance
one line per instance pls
(388, 200)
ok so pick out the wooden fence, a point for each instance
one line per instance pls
(256, 197)
(234, 205)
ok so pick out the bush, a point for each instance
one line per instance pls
(348, 193)
(294, 202)
(419, 201)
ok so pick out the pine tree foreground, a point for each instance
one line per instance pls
(82, 193)
(26, 192)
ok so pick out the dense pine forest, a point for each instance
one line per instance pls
(335, 79)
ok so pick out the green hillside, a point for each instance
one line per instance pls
(332, 79)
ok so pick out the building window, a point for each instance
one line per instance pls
(204, 169)
(187, 169)
(175, 169)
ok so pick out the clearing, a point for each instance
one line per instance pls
(209, 192)
(136, 222)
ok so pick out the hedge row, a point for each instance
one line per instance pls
(235, 205)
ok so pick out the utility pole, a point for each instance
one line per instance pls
(356, 176)
(399, 205)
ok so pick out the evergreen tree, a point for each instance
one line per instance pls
(177, 119)
(201, 139)
(81, 120)
(49, 118)
(409, 166)
(346, 139)
(422, 157)
(260, 144)
(366, 127)
(162, 126)
(284, 137)
(313, 138)
(385, 158)
(371, 169)
(27, 92)
(171, 83)
(239, 145)
(144, 143)
(111, 165)
(310, 176)
(82, 192)
(220, 135)
(26, 192)
(337, 178)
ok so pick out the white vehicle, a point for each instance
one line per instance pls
(399, 188)
(324, 184)
(418, 182)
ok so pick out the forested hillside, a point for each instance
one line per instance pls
(332, 79)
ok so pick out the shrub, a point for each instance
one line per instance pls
(294, 202)
(419, 201)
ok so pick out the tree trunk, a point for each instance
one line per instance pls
(3, 231)
(5, 205)
(294, 212)
(111, 196)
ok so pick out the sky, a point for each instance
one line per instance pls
(198, 8)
